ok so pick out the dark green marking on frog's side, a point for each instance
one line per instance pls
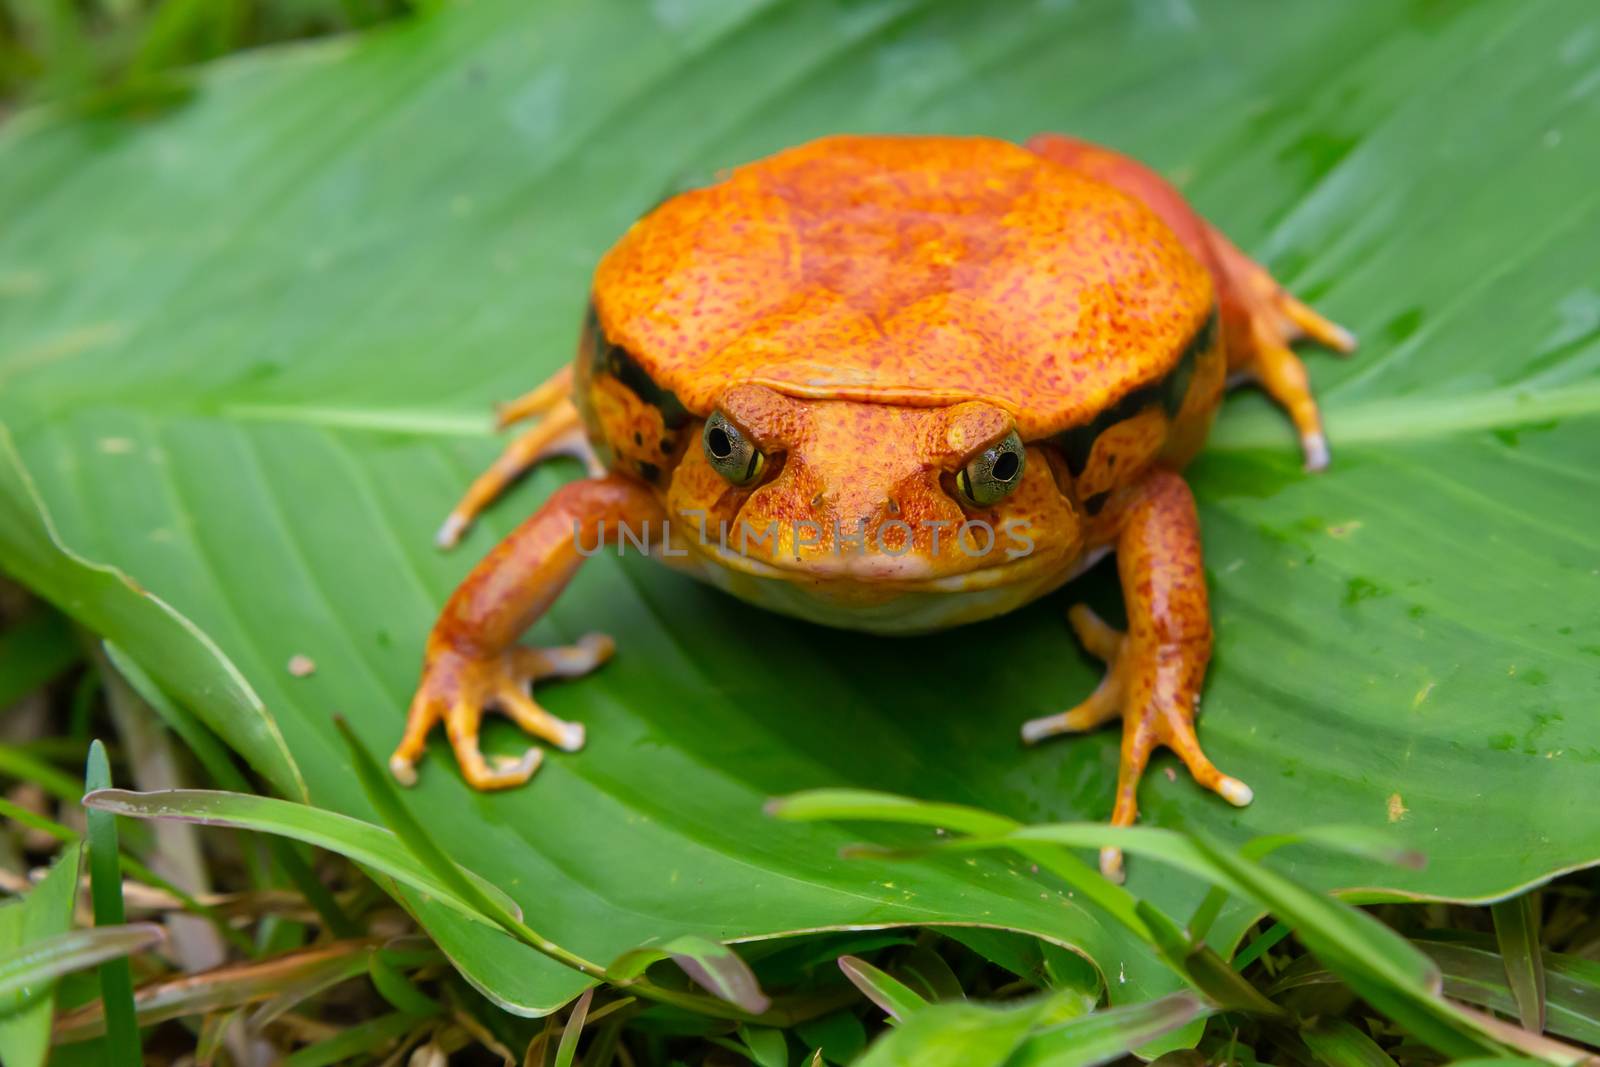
(613, 359)
(1169, 391)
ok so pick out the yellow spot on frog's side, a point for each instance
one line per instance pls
(1397, 808)
(1342, 530)
(116, 446)
(302, 666)
(1422, 694)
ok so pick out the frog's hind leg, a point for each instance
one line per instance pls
(1260, 320)
(559, 432)
(1153, 672)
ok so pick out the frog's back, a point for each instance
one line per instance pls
(911, 270)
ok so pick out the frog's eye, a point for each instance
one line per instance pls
(730, 451)
(993, 473)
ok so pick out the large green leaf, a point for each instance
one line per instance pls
(247, 350)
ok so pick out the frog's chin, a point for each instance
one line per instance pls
(890, 602)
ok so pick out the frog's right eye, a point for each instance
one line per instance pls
(730, 451)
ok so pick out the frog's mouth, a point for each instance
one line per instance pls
(899, 573)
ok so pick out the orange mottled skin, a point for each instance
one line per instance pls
(957, 371)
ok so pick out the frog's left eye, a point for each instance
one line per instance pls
(992, 474)
(730, 451)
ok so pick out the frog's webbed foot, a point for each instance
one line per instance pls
(1262, 320)
(559, 432)
(456, 688)
(1146, 687)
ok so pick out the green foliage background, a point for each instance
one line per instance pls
(248, 346)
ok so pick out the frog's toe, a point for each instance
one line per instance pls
(1111, 865)
(1306, 322)
(1314, 447)
(1103, 705)
(1179, 736)
(522, 709)
(1103, 640)
(565, 661)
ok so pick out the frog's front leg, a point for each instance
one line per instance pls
(1155, 670)
(472, 660)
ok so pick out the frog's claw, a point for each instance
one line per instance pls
(1260, 320)
(559, 432)
(1155, 671)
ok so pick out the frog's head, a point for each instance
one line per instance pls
(871, 492)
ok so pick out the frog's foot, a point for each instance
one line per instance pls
(559, 432)
(457, 688)
(1272, 319)
(1153, 689)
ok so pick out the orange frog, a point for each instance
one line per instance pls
(892, 384)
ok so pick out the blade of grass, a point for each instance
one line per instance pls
(134, 868)
(220, 766)
(45, 911)
(568, 1048)
(1376, 962)
(860, 804)
(1260, 945)
(1352, 840)
(380, 791)
(361, 841)
(105, 885)
(890, 994)
(362, 1039)
(399, 990)
(1477, 975)
(1516, 928)
(26, 767)
(222, 988)
(76, 950)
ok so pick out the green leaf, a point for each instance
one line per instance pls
(45, 912)
(1043, 1031)
(573, 1028)
(41, 962)
(715, 967)
(766, 1046)
(105, 889)
(251, 343)
(1106, 1035)
(888, 993)
(1339, 1044)
(1516, 928)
